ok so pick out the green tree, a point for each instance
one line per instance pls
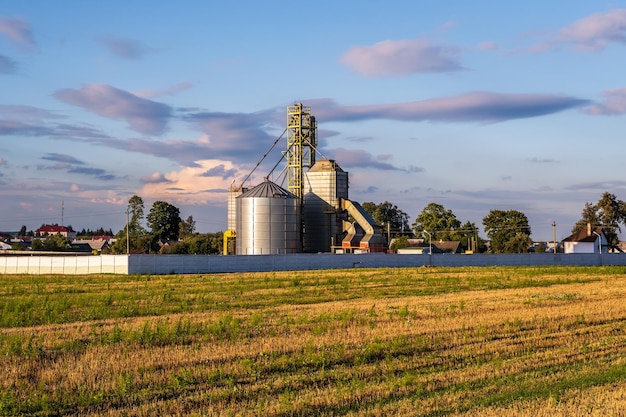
(469, 237)
(388, 214)
(164, 220)
(609, 213)
(399, 243)
(137, 235)
(135, 212)
(442, 224)
(187, 227)
(22, 231)
(508, 231)
(540, 248)
(53, 243)
(589, 215)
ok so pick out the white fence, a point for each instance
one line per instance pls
(67, 265)
(196, 264)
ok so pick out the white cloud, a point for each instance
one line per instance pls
(189, 185)
(402, 58)
(155, 178)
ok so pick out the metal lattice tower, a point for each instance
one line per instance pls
(301, 144)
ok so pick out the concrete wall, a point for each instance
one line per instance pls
(194, 264)
(188, 264)
(67, 265)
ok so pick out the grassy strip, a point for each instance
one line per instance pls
(37, 300)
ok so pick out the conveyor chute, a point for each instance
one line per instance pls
(372, 239)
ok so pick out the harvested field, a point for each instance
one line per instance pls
(526, 341)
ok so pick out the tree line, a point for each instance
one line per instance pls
(507, 230)
(168, 232)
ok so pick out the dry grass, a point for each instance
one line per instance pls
(425, 342)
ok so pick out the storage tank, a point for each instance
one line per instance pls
(324, 185)
(268, 221)
(233, 193)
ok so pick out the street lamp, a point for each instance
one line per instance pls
(430, 241)
(430, 247)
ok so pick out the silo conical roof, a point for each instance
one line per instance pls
(267, 189)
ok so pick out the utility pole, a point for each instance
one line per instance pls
(127, 234)
(62, 210)
(554, 235)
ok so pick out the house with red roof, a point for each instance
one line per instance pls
(49, 230)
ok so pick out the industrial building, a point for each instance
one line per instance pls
(313, 214)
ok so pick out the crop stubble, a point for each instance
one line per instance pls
(427, 341)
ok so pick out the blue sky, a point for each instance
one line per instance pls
(473, 105)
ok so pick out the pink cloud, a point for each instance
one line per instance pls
(487, 46)
(484, 107)
(169, 91)
(125, 48)
(144, 116)
(18, 32)
(595, 32)
(402, 58)
(614, 103)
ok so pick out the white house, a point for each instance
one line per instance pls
(588, 240)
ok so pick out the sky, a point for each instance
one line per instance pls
(476, 106)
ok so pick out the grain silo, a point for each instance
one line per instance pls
(314, 214)
(268, 221)
(325, 184)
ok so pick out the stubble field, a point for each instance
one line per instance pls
(490, 341)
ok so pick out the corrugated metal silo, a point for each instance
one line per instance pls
(232, 207)
(268, 221)
(325, 184)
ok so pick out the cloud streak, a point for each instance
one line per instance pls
(482, 107)
(357, 158)
(244, 137)
(170, 91)
(7, 65)
(68, 162)
(124, 48)
(143, 116)
(66, 159)
(402, 58)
